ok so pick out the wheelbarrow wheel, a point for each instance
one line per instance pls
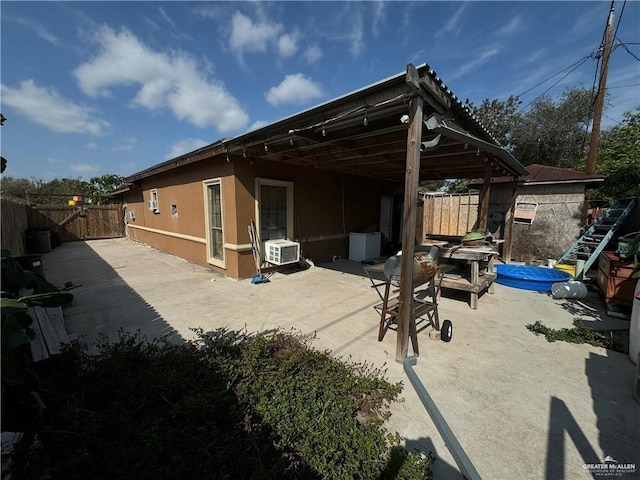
(446, 332)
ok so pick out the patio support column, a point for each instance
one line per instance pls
(411, 178)
(485, 192)
(508, 225)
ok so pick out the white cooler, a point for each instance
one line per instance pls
(363, 246)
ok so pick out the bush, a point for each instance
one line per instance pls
(227, 405)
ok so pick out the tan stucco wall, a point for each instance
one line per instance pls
(556, 226)
(317, 216)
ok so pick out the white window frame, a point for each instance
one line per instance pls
(153, 196)
(205, 186)
(274, 183)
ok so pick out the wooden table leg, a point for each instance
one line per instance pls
(475, 281)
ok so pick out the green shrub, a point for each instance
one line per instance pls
(578, 334)
(227, 405)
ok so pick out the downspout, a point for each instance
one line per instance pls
(467, 469)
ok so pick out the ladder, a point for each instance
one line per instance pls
(597, 236)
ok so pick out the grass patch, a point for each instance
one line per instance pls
(225, 406)
(578, 334)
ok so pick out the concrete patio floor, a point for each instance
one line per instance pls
(521, 407)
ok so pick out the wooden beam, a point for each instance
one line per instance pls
(434, 89)
(508, 225)
(485, 192)
(428, 90)
(412, 174)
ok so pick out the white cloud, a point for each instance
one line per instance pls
(46, 107)
(91, 145)
(35, 27)
(84, 168)
(294, 89)
(257, 124)
(288, 44)
(126, 144)
(510, 28)
(166, 17)
(247, 36)
(348, 26)
(185, 145)
(378, 17)
(356, 37)
(466, 68)
(313, 53)
(170, 80)
(453, 23)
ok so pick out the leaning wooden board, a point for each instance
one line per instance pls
(51, 335)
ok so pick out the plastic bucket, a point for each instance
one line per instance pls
(38, 241)
(570, 269)
(570, 289)
(32, 263)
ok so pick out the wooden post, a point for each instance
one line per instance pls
(508, 225)
(411, 178)
(485, 192)
(597, 113)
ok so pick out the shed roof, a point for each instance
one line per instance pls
(363, 133)
(546, 174)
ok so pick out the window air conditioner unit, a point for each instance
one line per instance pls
(153, 205)
(281, 252)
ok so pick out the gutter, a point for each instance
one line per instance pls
(467, 469)
(436, 123)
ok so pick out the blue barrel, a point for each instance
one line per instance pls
(38, 241)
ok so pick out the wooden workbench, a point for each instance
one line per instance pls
(479, 276)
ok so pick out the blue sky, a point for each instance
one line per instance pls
(115, 87)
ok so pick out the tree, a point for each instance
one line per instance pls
(16, 187)
(500, 118)
(619, 159)
(105, 183)
(550, 132)
(60, 190)
(554, 133)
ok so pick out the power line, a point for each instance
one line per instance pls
(556, 83)
(624, 4)
(555, 75)
(624, 86)
(624, 45)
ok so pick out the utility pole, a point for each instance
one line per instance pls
(599, 105)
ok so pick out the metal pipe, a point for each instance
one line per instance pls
(467, 469)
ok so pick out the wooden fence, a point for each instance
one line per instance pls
(14, 223)
(450, 214)
(84, 222)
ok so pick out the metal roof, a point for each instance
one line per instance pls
(363, 133)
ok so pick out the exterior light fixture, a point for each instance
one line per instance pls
(324, 132)
(404, 119)
(365, 122)
(266, 149)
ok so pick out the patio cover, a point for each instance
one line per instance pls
(365, 133)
